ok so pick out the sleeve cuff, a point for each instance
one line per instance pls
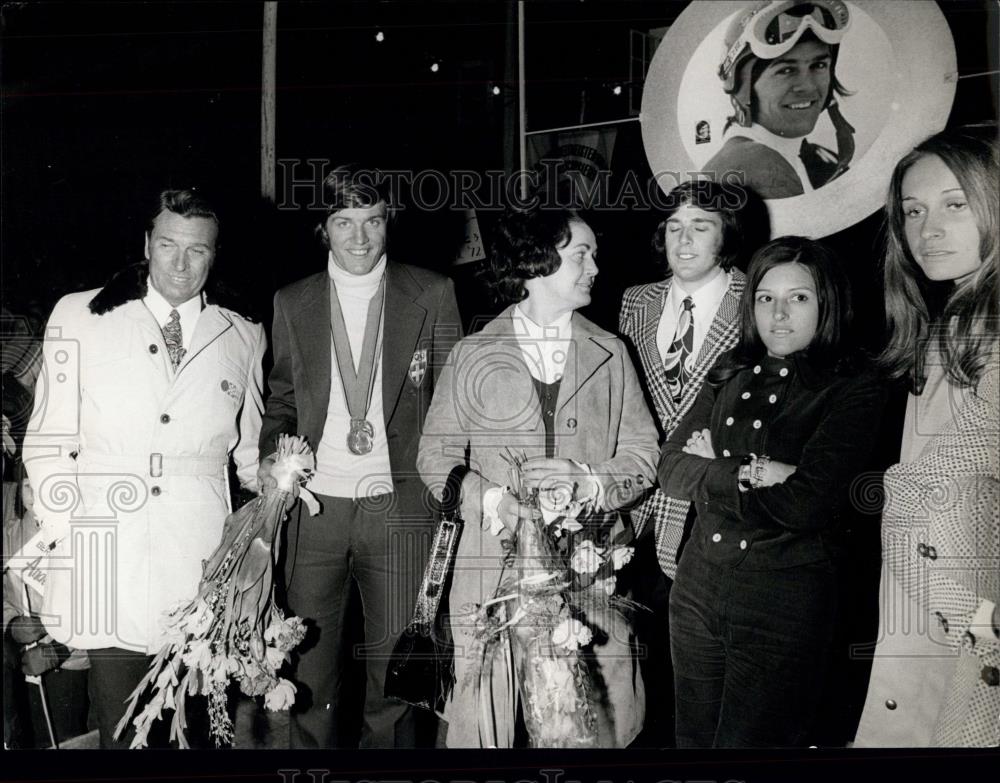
(491, 510)
(594, 493)
(982, 623)
(722, 478)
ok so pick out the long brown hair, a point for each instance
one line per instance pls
(968, 326)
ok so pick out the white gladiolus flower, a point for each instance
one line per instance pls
(198, 655)
(166, 677)
(199, 621)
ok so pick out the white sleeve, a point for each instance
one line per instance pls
(491, 510)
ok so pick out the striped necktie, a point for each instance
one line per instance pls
(172, 337)
(676, 362)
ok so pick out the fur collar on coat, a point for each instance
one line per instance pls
(130, 283)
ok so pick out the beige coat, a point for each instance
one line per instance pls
(129, 462)
(935, 673)
(485, 401)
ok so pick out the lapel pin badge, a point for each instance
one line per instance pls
(418, 366)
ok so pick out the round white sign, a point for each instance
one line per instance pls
(897, 67)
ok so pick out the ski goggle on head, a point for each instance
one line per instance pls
(772, 28)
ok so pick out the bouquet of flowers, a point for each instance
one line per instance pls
(542, 612)
(232, 629)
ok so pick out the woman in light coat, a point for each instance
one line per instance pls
(543, 380)
(936, 674)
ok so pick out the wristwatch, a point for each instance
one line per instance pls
(745, 476)
(757, 471)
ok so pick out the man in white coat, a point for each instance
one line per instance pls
(150, 387)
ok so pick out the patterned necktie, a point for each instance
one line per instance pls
(676, 362)
(172, 337)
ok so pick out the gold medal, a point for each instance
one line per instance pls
(361, 436)
(358, 384)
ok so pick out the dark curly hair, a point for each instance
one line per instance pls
(525, 245)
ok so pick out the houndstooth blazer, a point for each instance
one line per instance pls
(642, 306)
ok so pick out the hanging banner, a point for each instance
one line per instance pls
(571, 163)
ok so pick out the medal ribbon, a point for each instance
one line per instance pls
(359, 385)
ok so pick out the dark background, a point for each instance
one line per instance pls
(104, 104)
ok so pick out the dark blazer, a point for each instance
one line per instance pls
(420, 314)
(794, 412)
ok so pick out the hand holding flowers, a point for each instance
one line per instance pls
(232, 629)
(561, 578)
(564, 486)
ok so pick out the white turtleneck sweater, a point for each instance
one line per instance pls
(339, 473)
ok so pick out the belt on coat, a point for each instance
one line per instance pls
(159, 465)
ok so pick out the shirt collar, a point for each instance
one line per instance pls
(707, 298)
(543, 347)
(559, 329)
(160, 307)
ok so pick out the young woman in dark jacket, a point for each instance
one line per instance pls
(767, 455)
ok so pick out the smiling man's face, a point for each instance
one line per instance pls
(357, 237)
(180, 251)
(791, 92)
(693, 239)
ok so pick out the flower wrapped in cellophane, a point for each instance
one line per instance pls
(539, 623)
(232, 630)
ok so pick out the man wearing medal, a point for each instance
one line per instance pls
(357, 349)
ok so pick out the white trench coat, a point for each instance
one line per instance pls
(129, 461)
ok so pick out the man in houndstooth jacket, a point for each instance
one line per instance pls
(677, 328)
